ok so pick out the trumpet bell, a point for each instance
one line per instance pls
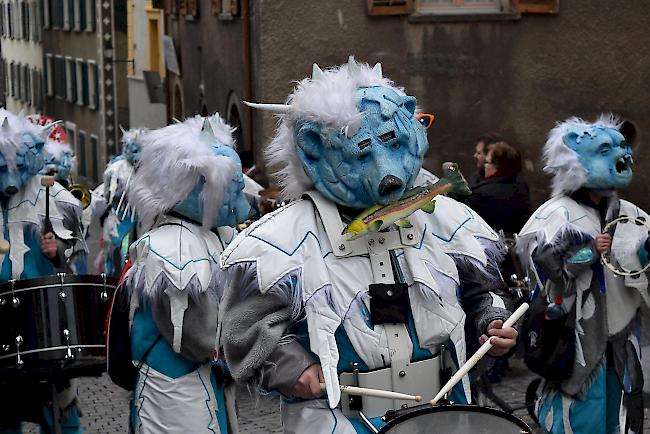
(82, 193)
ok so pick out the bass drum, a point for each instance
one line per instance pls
(52, 322)
(455, 419)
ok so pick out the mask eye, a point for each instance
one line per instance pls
(387, 136)
(363, 157)
(395, 145)
(364, 144)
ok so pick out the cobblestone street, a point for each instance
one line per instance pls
(105, 406)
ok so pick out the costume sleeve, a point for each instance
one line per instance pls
(484, 295)
(563, 259)
(199, 332)
(70, 248)
(254, 328)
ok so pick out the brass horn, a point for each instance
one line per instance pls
(82, 193)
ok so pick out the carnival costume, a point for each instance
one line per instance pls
(603, 393)
(186, 193)
(299, 291)
(23, 201)
(118, 220)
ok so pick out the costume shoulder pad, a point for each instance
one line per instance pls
(284, 241)
(179, 251)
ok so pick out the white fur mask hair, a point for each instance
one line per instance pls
(172, 162)
(562, 161)
(330, 99)
(11, 138)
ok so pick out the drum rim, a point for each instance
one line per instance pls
(21, 285)
(57, 348)
(426, 409)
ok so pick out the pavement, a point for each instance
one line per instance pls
(105, 405)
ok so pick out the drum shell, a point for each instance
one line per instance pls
(455, 419)
(46, 308)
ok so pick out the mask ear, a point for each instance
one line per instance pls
(310, 144)
(409, 103)
(572, 140)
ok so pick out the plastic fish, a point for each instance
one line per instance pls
(379, 217)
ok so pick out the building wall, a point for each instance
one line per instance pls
(22, 49)
(143, 49)
(517, 77)
(211, 58)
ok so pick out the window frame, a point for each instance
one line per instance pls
(93, 85)
(70, 80)
(461, 10)
(79, 68)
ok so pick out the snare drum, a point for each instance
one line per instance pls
(455, 419)
(53, 318)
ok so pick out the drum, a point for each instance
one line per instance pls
(53, 321)
(454, 419)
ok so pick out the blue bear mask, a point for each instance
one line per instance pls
(374, 166)
(605, 156)
(234, 208)
(29, 161)
(61, 168)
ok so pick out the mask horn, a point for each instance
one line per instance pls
(377, 70)
(47, 128)
(5, 125)
(274, 108)
(316, 72)
(207, 128)
(122, 130)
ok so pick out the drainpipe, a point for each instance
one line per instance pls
(248, 76)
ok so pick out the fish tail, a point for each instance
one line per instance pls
(456, 179)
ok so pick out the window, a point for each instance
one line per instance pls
(37, 89)
(389, 7)
(2, 20)
(56, 13)
(94, 155)
(84, 83)
(71, 82)
(81, 10)
(67, 15)
(10, 20)
(59, 77)
(92, 85)
(71, 131)
(27, 78)
(91, 15)
(81, 152)
(5, 72)
(24, 6)
(75, 11)
(12, 70)
(49, 75)
(47, 20)
(79, 64)
(19, 82)
(458, 7)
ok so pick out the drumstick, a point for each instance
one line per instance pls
(4, 247)
(477, 356)
(47, 182)
(377, 393)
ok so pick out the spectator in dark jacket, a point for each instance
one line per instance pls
(502, 198)
(480, 151)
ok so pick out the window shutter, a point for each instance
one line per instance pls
(389, 7)
(537, 6)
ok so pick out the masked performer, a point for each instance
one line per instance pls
(34, 252)
(118, 220)
(601, 391)
(306, 305)
(187, 194)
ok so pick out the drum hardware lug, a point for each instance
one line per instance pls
(62, 294)
(66, 335)
(19, 342)
(6, 348)
(355, 402)
(103, 296)
(3, 301)
(15, 302)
